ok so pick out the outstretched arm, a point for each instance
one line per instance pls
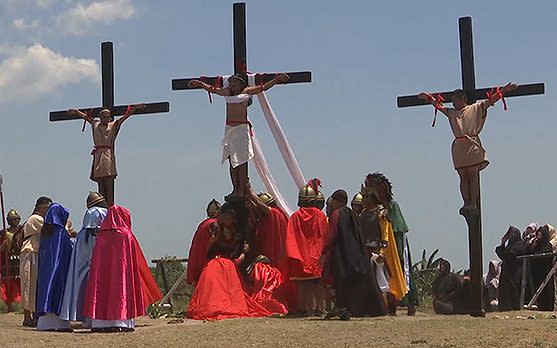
(73, 112)
(429, 98)
(495, 97)
(208, 88)
(128, 113)
(262, 88)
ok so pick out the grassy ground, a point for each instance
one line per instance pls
(512, 329)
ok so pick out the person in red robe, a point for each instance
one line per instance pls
(197, 257)
(219, 293)
(10, 246)
(120, 285)
(264, 281)
(305, 235)
(270, 237)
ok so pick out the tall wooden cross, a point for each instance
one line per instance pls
(472, 94)
(240, 66)
(107, 67)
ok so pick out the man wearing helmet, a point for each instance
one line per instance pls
(105, 131)
(10, 249)
(356, 204)
(305, 235)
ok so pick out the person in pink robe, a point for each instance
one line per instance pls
(120, 285)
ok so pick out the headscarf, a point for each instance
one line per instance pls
(57, 215)
(552, 236)
(530, 233)
(117, 218)
(494, 270)
(94, 217)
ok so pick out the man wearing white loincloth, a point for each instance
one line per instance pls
(237, 142)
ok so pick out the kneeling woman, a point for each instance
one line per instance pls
(219, 294)
(120, 285)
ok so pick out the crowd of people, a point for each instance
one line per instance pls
(344, 262)
(98, 277)
(503, 279)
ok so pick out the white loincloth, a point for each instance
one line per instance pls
(237, 145)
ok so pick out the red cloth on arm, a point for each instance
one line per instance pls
(219, 294)
(305, 236)
(198, 250)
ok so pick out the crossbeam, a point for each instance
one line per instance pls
(107, 68)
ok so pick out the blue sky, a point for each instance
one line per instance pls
(341, 126)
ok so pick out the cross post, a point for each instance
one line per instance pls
(473, 94)
(240, 66)
(107, 68)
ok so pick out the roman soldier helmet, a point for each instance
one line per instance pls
(13, 215)
(266, 198)
(212, 208)
(357, 199)
(95, 199)
(309, 193)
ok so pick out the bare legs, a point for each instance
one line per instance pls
(106, 189)
(470, 188)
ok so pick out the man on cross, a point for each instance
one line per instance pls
(237, 146)
(469, 157)
(105, 131)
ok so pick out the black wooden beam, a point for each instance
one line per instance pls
(295, 77)
(240, 46)
(119, 110)
(522, 90)
(107, 67)
(467, 58)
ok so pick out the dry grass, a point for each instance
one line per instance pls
(424, 330)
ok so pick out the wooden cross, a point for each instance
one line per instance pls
(240, 66)
(472, 94)
(107, 67)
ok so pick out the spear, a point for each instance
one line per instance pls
(7, 251)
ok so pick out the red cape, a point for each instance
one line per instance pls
(219, 294)
(198, 250)
(120, 285)
(305, 235)
(266, 280)
(270, 233)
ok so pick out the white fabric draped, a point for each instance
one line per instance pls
(284, 147)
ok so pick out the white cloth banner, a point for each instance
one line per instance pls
(265, 174)
(284, 148)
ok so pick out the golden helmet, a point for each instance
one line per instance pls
(266, 198)
(212, 208)
(13, 214)
(309, 193)
(95, 199)
(357, 200)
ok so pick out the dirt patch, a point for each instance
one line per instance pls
(512, 329)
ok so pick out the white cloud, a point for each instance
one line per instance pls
(30, 73)
(81, 19)
(22, 24)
